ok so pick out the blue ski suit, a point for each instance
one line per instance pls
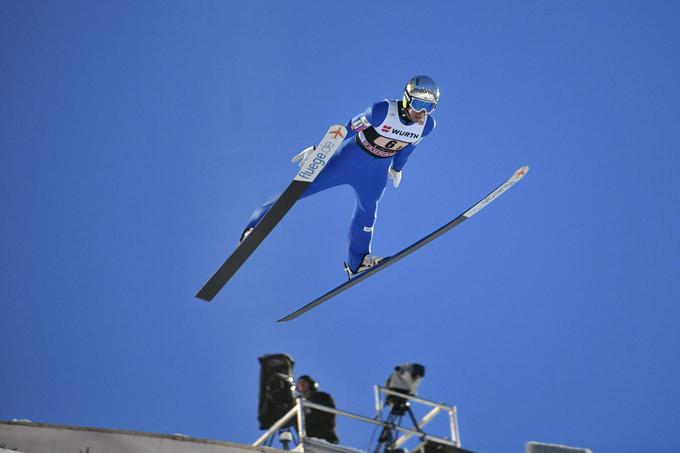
(377, 138)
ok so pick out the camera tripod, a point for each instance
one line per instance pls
(388, 436)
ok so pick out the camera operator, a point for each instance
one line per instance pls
(404, 379)
(318, 423)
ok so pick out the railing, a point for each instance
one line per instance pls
(427, 418)
(299, 412)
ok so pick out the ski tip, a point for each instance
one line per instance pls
(335, 127)
(521, 172)
(337, 131)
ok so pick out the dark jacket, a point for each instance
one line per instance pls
(321, 424)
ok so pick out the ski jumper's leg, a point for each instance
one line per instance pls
(369, 186)
(257, 215)
(338, 170)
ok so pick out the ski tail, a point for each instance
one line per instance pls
(254, 239)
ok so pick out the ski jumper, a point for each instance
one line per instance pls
(377, 138)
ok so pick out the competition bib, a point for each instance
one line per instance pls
(390, 136)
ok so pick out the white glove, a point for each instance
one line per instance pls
(395, 176)
(302, 154)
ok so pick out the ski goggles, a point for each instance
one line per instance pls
(419, 105)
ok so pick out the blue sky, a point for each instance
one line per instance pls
(137, 137)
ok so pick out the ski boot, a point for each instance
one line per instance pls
(245, 234)
(367, 263)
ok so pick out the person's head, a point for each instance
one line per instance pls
(306, 385)
(421, 95)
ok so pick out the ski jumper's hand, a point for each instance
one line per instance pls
(300, 157)
(395, 176)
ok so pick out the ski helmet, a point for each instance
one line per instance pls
(421, 93)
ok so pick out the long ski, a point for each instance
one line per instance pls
(519, 174)
(313, 163)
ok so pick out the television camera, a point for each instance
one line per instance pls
(404, 379)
